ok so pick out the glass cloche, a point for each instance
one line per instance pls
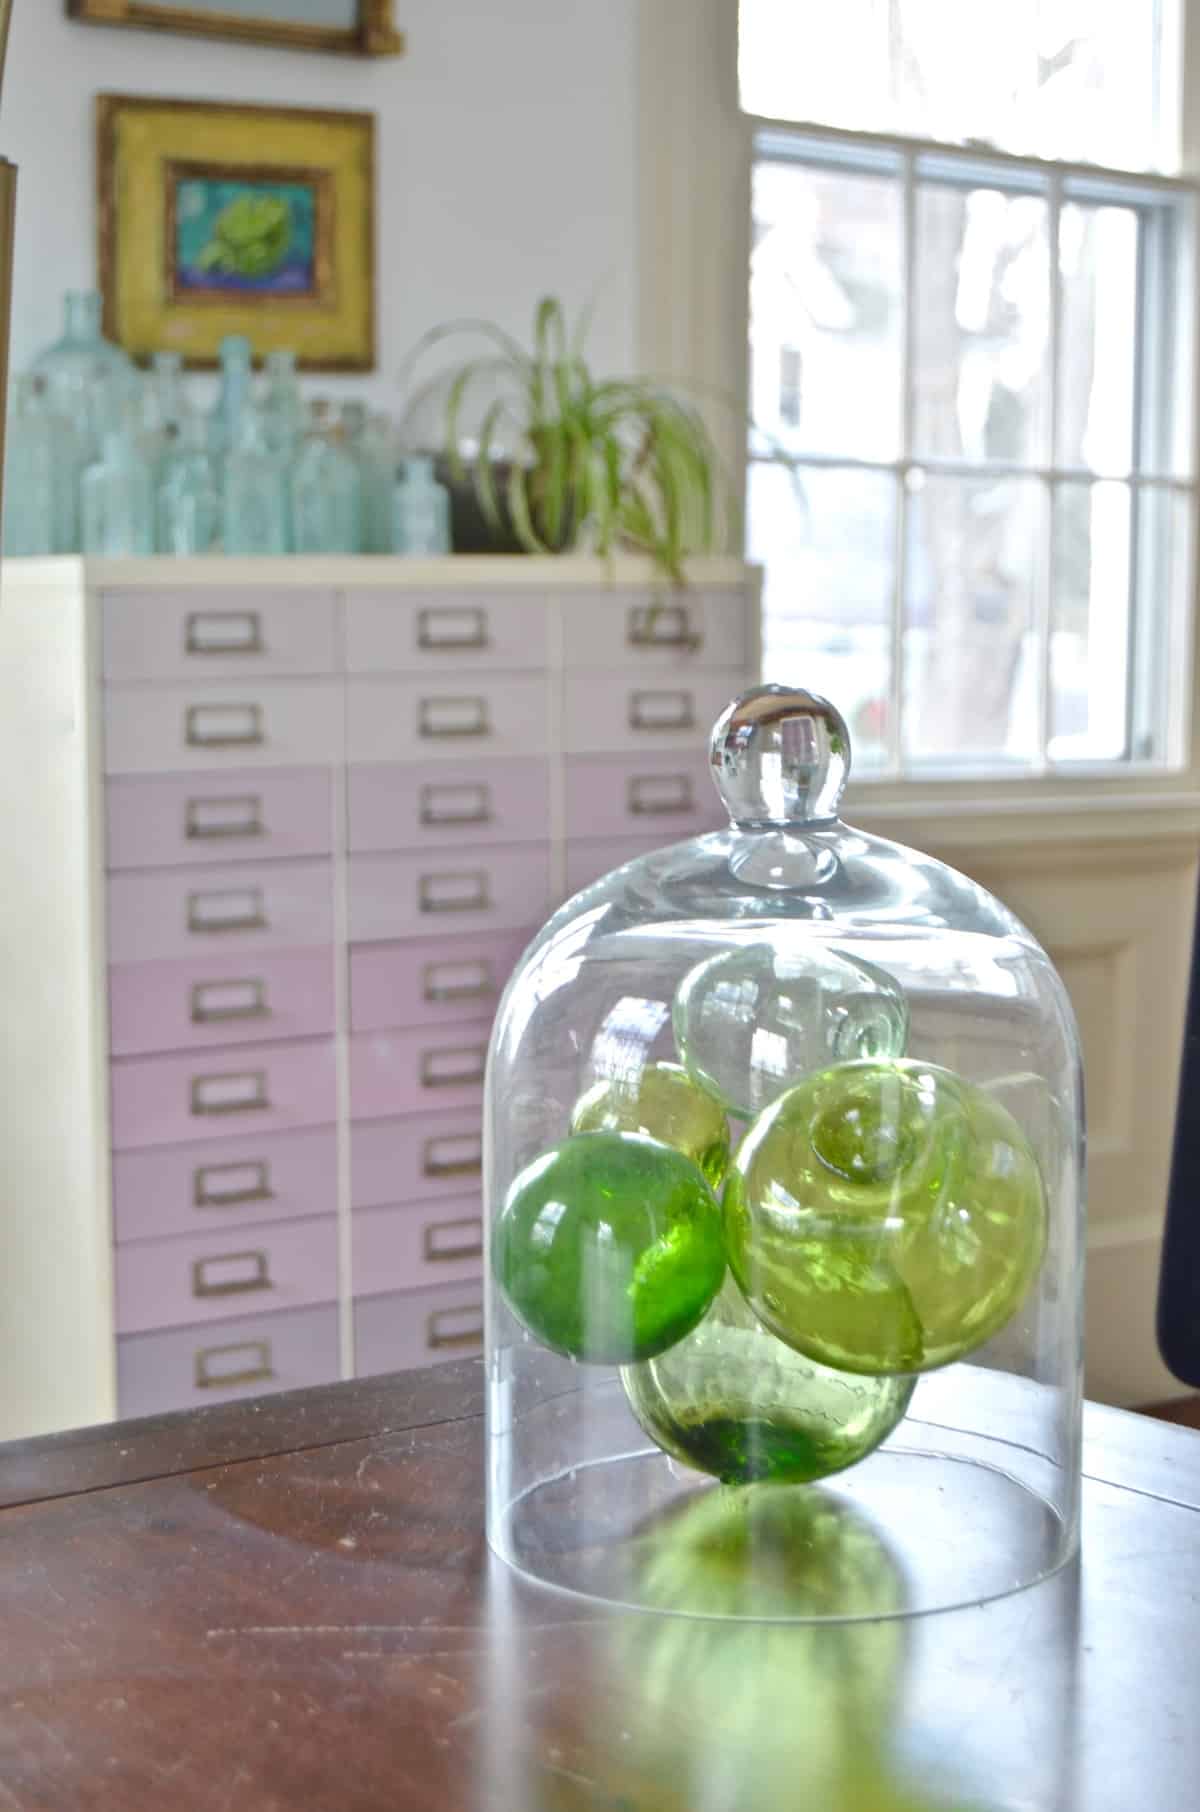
(784, 1137)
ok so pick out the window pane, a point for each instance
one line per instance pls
(828, 552)
(1089, 80)
(970, 684)
(1160, 682)
(1089, 635)
(825, 315)
(981, 325)
(1097, 261)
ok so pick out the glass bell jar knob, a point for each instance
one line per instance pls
(780, 756)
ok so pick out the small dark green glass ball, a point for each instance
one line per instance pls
(609, 1247)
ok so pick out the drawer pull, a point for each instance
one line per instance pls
(223, 632)
(240, 815)
(662, 626)
(239, 909)
(231, 1185)
(231, 1274)
(659, 795)
(215, 1001)
(454, 1155)
(241, 1093)
(451, 1068)
(452, 628)
(248, 1362)
(459, 892)
(454, 717)
(224, 727)
(448, 1240)
(661, 711)
(460, 981)
(454, 1327)
(456, 804)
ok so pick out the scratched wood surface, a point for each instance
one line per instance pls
(317, 1625)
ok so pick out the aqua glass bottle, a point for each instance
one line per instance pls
(41, 493)
(233, 398)
(283, 414)
(326, 492)
(375, 453)
(354, 424)
(163, 407)
(254, 509)
(90, 379)
(118, 498)
(187, 499)
(422, 510)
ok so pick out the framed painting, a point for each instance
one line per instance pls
(362, 28)
(218, 219)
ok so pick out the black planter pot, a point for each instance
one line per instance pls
(470, 530)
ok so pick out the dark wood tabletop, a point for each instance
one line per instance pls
(289, 1605)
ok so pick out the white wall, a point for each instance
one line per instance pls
(506, 157)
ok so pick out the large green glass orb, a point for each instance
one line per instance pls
(734, 1401)
(885, 1217)
(662, 1101)
(751, 1022)
(609, 1247)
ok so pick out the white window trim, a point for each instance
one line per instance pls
(695, 151)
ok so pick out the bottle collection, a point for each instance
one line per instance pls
(105, 460)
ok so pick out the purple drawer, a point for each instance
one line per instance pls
(417, 1327)
(669, 796)
(222, 1094)
(410, 632)
(225, 633)
(197, 1002)
(464, 889)
(428, 984)
(167, 1283)
(224, 1185)
(443, 717)
(615, 708)
(417, 1072)
(195, 912)
(394, 806)
(418, 1159)
(405, 1248)
(191, 1368)
(169, 820)
(590, 857)
(168, 729)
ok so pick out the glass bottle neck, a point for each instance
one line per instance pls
(83, 315)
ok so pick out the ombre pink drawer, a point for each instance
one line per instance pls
(192, 1368)
(695, 628)
(590, 857)
(397, 807)
(447, 717)
(669, 795)
(421, 1158)
(413, 1247)
(221, 1094)
(398, 1333)
(160, 821)
(466, 889)
(201, 1001)
(225, 633)
(181, 729)
(431, 1070)
(242, 908)
(165, 1283)
(224, 1185)
(614, 708)
(406, 632)
(440, 982)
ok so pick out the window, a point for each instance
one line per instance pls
(970, 478)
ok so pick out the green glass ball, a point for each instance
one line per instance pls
(734, 1401)
(609, 1247)
(885, 1217)
(663, 1102)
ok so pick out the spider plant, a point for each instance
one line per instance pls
(612, 462)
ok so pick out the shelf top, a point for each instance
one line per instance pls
(453, 572)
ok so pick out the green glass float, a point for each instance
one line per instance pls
(662, 1101)
(734, 1401)
(609, 1248)
(885, 1217)
(751, 1022)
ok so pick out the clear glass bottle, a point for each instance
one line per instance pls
(421, 509)
(254, 508)
(187, 497)
(234, 396)
(283, 414)
(42, 473)
(117, 498)
(326, 492)
(375, 452)
(90, 379)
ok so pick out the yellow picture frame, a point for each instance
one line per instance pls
(303, 180)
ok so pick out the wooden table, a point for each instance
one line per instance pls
(289, 1605)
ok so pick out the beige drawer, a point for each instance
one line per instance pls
(171, 729)
(441, 632)
(447, 717)
(225, 633)
(649, 631)
(611, 709)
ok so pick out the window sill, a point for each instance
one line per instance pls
(1092, 812)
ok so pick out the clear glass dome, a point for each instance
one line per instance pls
(784, 1135)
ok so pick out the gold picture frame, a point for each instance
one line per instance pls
(219, 219)
(374, 34)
